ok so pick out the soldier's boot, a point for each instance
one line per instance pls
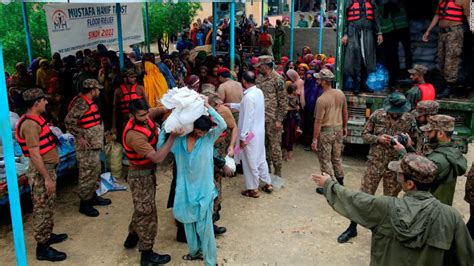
(131, 241)
(348, 234)
(45, 252)
(340, 180)
(219, 230)
(448, 90)
(57, 238)
(470, 226)
(150, 258)
(86, 208)
(277, 171)
(99, 201)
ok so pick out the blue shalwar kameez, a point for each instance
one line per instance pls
(196, 190)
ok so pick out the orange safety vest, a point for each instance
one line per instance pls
(355, 10)
(428, 92)
(128, 96)
(150, 132)
(47, 140)
(264, 40)
(449, 10)
(90, 118)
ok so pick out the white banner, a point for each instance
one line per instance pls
(74, 27)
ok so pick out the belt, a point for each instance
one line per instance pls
(50, 166)
(449, 29)
(331, 129)
(133, 172)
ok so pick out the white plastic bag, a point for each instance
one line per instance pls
(230, 162)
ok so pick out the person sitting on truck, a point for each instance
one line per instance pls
(421, 91)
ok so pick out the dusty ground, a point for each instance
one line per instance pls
(293, 226)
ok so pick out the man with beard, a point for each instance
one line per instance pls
(421, 91)
(89, 71)
(415, 229)
(445, 154)
(383, 126)
(139, 141)
(424, 110)
(84, 122)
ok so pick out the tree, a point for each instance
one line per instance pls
(166, 19)
(12, 34)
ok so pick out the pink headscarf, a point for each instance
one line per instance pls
(292, 75)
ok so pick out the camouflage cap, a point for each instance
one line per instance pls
(426, 108)
(264, 59)
(33, 94)
(397, 103)
(324, 74)
(419, 167)
(91, 84)
(439, 122)
(421, 69)
(90, 61)
(129, 72)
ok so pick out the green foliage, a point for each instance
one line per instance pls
(165, 18)
(13, 37)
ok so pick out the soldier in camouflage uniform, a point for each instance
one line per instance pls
(84, 122)
(383, 125)
(424, 110)
(38, 142)
(276, 107)
(469, 198)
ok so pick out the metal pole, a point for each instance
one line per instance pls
(118, 11)
(147, 29)
(214, 28)
(232, 35)
(10, 166)
(292, 29)
(339, 52)
(27, 32)
(263, 14)
(321, 25)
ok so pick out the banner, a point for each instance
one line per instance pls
(74, 27)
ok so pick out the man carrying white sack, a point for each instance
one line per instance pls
(252, 121)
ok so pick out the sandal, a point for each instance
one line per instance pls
(267, 188)
(250, 193)
(196, 257)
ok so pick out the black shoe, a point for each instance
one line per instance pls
(348, 234)
(54, 238)
(99, 201)
(45, 252)
(150, 258)
(320, 190)
(219, 230)
(131, 241)
(86, 208)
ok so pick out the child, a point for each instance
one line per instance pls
(291, 122)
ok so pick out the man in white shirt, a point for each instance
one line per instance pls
(252, 121)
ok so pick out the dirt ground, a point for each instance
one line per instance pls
(292, 226)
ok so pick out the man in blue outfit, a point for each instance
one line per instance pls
(195, 188)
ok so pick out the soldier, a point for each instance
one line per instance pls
(89, 70)
(39, 144)
(127, 91)
(469, 198)
(416, 229)
(445, 154)
(330, 127)
(449, 17)
(276, 107)
(84, 122)
(139, 141)
(383, 126)
(421, 91)
(424, 110)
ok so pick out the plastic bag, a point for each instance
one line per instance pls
(230, 162)
(113, 153)
(108, 183)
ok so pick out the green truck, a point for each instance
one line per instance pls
(361, 106)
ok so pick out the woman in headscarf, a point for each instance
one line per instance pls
(193, 83)
(33, 68)
(295, 79)
(306, 50)
(57, 62)
(312, 91)
(44, 74)
(302, 69)
(154, 84)
(308, 58)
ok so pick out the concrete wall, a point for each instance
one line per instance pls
(310, 37)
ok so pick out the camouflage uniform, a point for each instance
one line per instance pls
(144, 220)
(220, 147)
(449, 52)
(276, 106)
(87, 157)
(469, 196)
(380, 155)
(43, 204)
(419, 137)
